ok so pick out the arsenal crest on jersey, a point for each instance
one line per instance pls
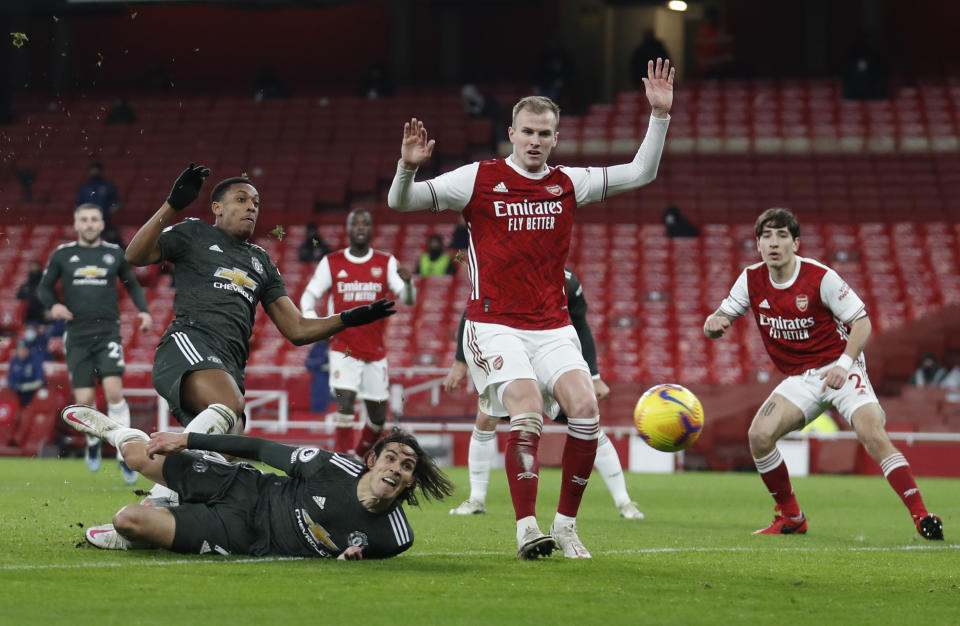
(498, 363)
(802, 302)
(554, 189)
(376, 272)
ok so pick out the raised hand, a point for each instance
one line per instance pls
(187, 186)
(416, 147)
(659, 86)
(360, 315)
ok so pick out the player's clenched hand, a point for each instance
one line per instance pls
(360, 315)
(715, 326)
(416, 147)
(60, 312)
(659, 86)
(146, 322)
(458, 371)
(187, 186)
(835, 377)
(601, 389)
(166, 443)
(352, 553)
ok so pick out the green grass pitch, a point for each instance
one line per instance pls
(691, 561)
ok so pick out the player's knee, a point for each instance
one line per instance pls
(128, 520)
(582, 408)
(760, 436)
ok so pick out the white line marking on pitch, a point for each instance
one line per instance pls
(274, 559)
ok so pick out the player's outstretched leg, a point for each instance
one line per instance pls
(120, 413)
(94, 423)
(787, 519)
(611, 470)
(483, 449)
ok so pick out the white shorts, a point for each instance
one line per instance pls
(498, 354)
(806, 391)
(368, 379)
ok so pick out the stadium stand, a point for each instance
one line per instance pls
(875, 185)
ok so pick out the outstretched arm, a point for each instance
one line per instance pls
(415, 149)
(301, 330)
(276, 455)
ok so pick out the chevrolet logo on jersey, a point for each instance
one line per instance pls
(319, 533)
(89, 271)
(235, 280)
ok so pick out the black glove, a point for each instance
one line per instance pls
(360, 315)
(187, 187)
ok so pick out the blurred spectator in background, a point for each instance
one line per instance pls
(120, 113)
(26, 176)
(649, 48)
(714, 46)
(435, 262)
(678, 225)
(318, 364)
(34, 315)
(26, 372)
(269, 87)
(930, 373)
(866, 73)
(100, 191)
(555, 78)
(481, 105)
(375, 84)
(461, 236)
(952, 380)
(313, 247)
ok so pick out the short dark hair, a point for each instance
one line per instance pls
(777, 218)
(221, 188)
(88, 205)
(427, 477)
(358, 211)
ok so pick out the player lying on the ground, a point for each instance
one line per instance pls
(327, 506)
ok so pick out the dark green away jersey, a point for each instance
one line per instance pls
(218, 282)
(88, 279)
(314, 510)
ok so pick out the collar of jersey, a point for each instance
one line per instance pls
(358, 259)
(519, 170)
(793, 279)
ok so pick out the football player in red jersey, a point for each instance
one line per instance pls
(814, 327)
(519, 340)
(358, 360)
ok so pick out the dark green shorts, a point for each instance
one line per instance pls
(93, 358)
(217, 504)
(181, 351)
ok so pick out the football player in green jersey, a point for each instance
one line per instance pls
(88, 270)
(220, 278)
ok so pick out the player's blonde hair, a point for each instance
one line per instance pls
(536, 105)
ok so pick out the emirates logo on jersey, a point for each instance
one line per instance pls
(376, 272)
(498, 363)
(802, 302)
(554, 189)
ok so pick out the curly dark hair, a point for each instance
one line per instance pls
(429, 479)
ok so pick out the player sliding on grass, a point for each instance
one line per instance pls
(327, 506)
(814, 327)
(519, 214)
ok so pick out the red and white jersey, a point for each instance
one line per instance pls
(353, 281)
(519, 225)
(803, 321)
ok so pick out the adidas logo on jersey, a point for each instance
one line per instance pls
(501, 188)
(215, 248)
(321, 501)
(74, 259)
(764, 304)
(342, 274)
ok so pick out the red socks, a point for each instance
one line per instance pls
(773, 471)
(898, 473)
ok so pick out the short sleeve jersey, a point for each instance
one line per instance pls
(219, 281)
(353, 281)
(88, 278)
(803, 322)
(314, 511)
